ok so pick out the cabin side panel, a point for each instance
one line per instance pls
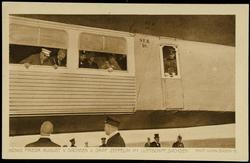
(41, 93)
(208, 75)
(148, 73)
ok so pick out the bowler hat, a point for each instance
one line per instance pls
(112, 121)
(103, 138)
(72, 140)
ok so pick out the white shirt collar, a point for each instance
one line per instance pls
(43, 136)
(112, 134)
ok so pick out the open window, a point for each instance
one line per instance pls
(102, 52)
(170, 62)
(37, 45)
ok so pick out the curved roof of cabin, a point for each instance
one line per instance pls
(219, 29)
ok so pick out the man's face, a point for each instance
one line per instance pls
(61, 54)
(103, 141)
(92, 59)
(107, 129)
(82, 57)
(43, 56)
(179, 139)
(157, 140)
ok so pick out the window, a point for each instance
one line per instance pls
(102, 52)
(170, 62)
(37, 46)
(36, 55)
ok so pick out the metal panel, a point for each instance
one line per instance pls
(35, 94)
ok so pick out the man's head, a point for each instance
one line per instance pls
(46, 128)
(148, 140)
(157, 138)
(111, 125)
(44, 54)
(82, 57)
(179, 138)
(61, 54)
(103, 140)
(172, 53)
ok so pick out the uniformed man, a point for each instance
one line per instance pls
(178, 143)
(111, 129)
(73, 142)
(41, 58)
(156, 143)
(103, 142)
(44, 141)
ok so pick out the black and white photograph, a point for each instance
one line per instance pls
(88, 81)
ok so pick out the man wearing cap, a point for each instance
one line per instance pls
(178, 143)
(156, 143)
(73, 142)
(44, 141)
(103, 142)
(111, 129)
(41, 58)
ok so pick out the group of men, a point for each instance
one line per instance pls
(45, 58)
(114, 139)
(156, 143)
(87, 60)
(111, 125)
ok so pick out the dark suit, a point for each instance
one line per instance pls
(178, 145)
(154, 144)
(43, 142)
(103, 145)
(116, 141)
(34, 59)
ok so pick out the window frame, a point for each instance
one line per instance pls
(73, 34)
(177, 62)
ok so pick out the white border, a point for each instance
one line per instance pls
(242, 32)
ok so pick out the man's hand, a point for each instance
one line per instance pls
(27, 65)
(55, 66)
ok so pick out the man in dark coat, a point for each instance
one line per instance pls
(73, 142)
(44, 141)
(178, 143)
(156, 143)
(111, 129)
(41, 58)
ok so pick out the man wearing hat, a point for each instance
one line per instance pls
(111, 129)
(103, 142)
(178, 143)
(73, 142)
(41, 58)
(156, 143)
(44, 141)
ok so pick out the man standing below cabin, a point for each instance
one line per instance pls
(103, 142)
(178, 143)
(111, 129)
(156, 143)
(41, 58)
(44, 141)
